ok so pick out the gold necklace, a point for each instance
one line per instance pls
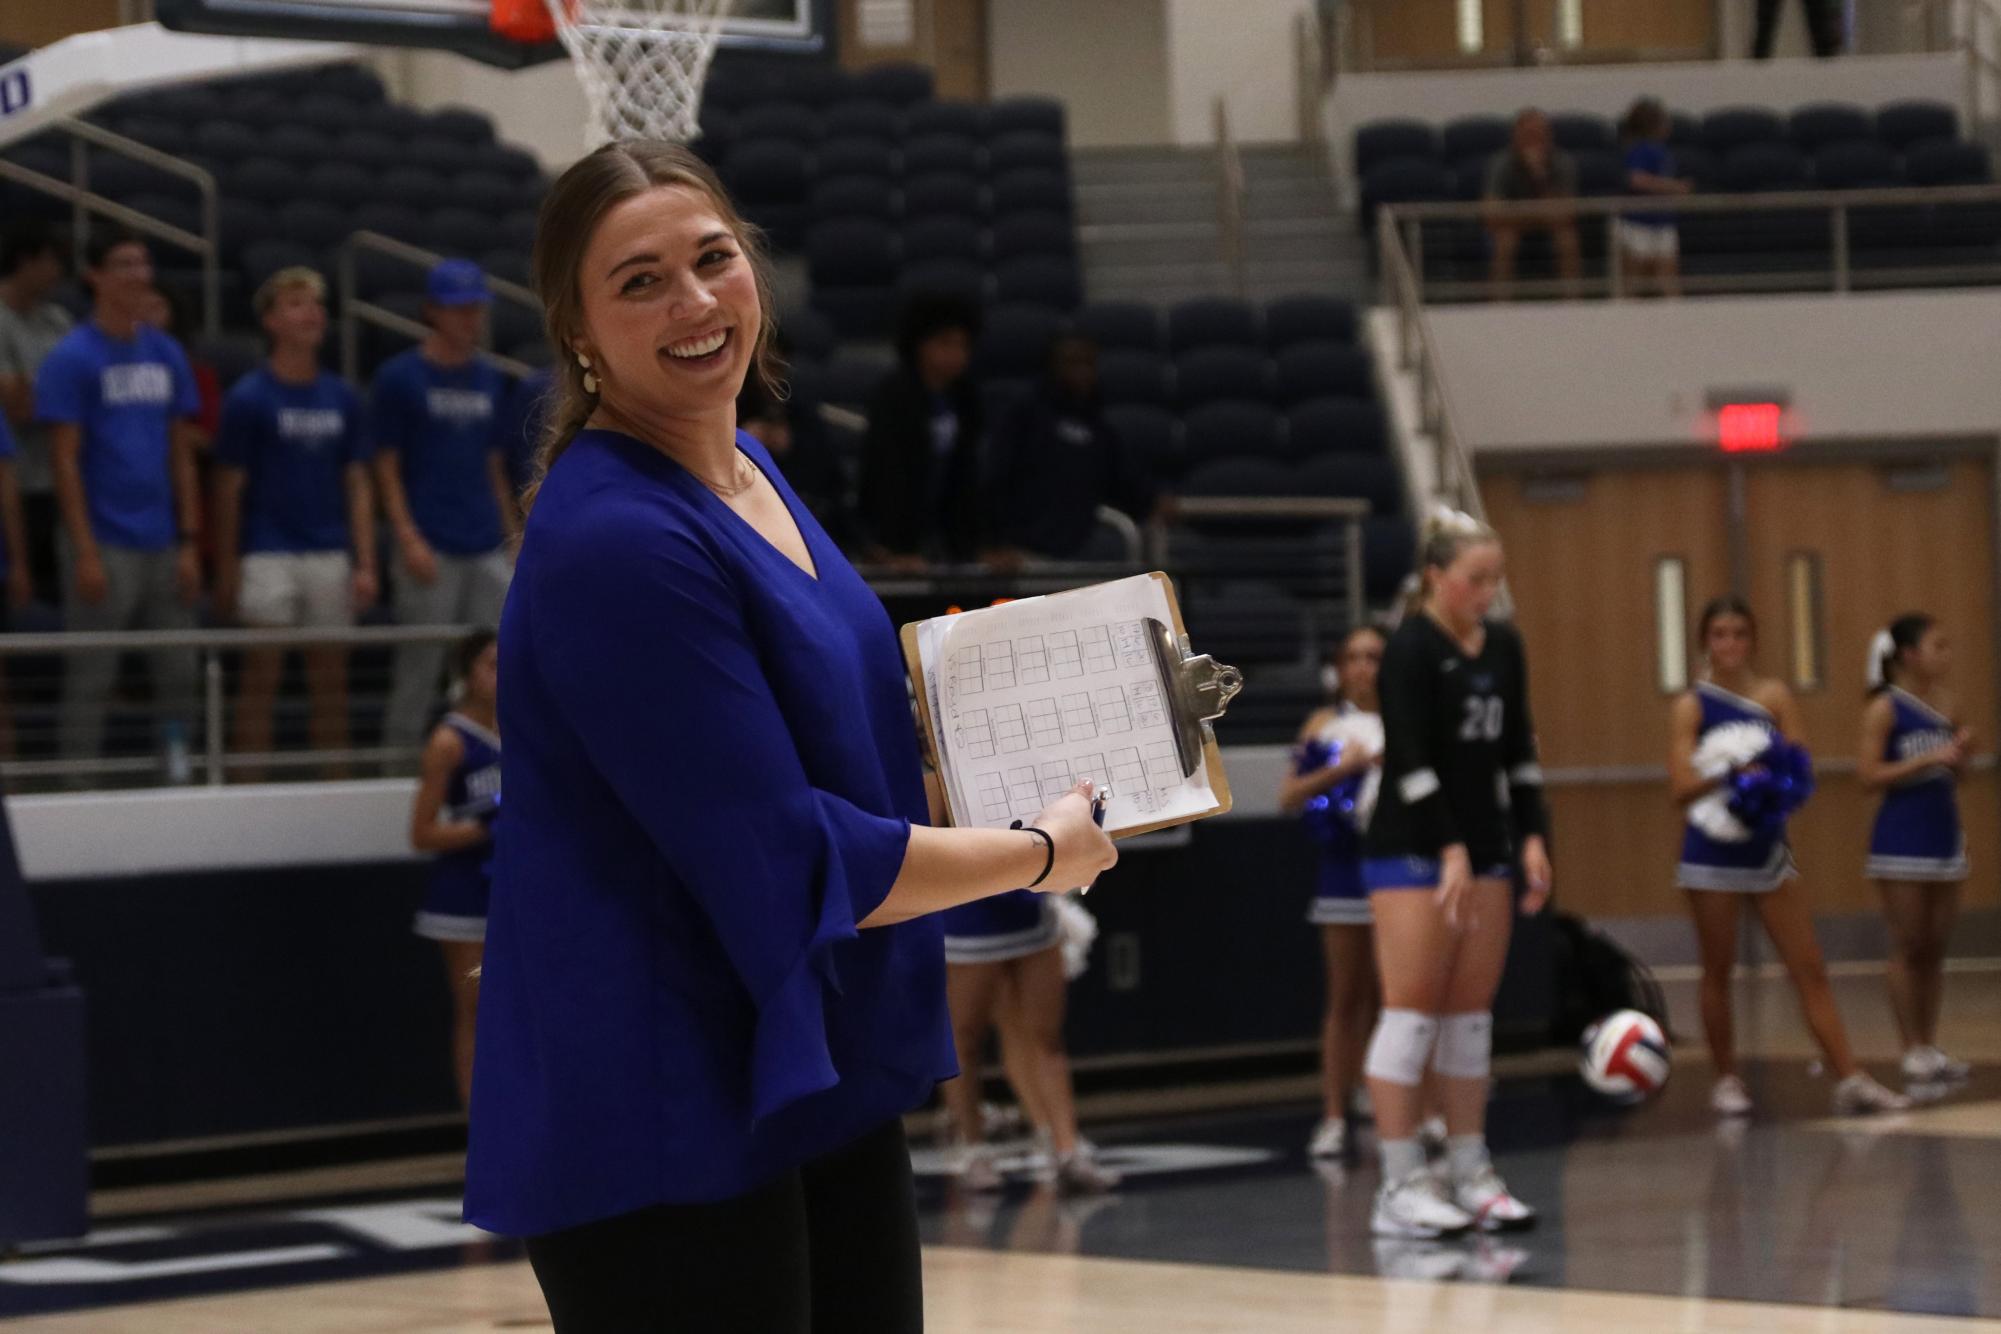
(730, 492)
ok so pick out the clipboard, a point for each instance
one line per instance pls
(1197, 690)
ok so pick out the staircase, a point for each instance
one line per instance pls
(1149, 228)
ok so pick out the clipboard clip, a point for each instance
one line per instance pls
(1198, 689)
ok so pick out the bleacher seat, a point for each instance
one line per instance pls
(855, 155)
(953, 193)
(414, 188)
(310, 222)
(1044, 279)
(458, 232)
(484, 192)
(807, 332)
(966, 119)
(1389, 550)
(341, 184)
(1579, 132)
(899, 84)
(1732, 128)
(1475, 138)
(1033, 115)
(1308, 318)
(1032, 233)
(175, 211)
(507, 265)
(1121, 324)
(853, 196)
(853, 264)
(1026, 152)
(1405, 181)
(942, 236)
(1233, 430)
(300, 145)
(851, 374)
(157, 132)
(1216, 374)
(1901, 124)
(1239, 477)
(1337, 426)
(1014, 340)
(434, 152)
(323, 112)
(950, 153)
(1152, 433)
(1384, 141)
(862, 118)
(1764, 166)
(1815, 127)
(1307, 371)
(1370, 477)
(228, 140)
(265, 258)
(790, 121)
(1212, 321)
(1600, 172)
(1031, 190)
(945, 277)
(265, 181)
(461, 125)
(770, 180)
(1135, 376)
(1855, 165)
(365, 148)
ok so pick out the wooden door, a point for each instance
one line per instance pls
(1591, 555)
(1835, 552)
(948, 35)
(1622, 28)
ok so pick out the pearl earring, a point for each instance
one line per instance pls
(590, 380)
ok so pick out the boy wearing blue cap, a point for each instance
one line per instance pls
(441, 467)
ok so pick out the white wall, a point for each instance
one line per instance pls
(1881, 366)
(1243, 51)
(1107, 60)
(540, 109)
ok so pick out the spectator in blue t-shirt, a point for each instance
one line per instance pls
(435, 424)
(294, 512)
(1648, 243)
(117, 395)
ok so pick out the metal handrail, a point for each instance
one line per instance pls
(1404, 220)
(355, 311)
(1231, 190)
(1403, 290)
(77, 194)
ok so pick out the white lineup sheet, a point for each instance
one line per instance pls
(1030, 697)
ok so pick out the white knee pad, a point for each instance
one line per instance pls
(1401, 1046)
(1465, 1045)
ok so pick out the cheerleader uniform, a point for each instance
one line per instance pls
(1917, 834)
(1007, 926)
(1339, 817)
(1459, 757)
(1760, 863)
(455, 901)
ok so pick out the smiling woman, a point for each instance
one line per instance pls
(712, 982)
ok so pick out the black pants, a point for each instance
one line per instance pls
(1823, 26)
(828, 1249)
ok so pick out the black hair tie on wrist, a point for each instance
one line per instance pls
(1049, 851)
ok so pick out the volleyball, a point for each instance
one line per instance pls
(1626, 1057)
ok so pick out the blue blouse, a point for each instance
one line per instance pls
(711, 774)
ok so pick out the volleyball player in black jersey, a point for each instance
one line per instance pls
(1461, 802)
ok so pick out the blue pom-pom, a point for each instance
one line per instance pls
(1764, 793)
(1330, 816)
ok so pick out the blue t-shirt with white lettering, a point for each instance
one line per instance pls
(443, 422)
(1654, 159)
(123, 396)
(295, 442)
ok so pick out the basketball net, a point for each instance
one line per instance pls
(641, 62)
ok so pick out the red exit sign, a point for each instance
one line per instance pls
(1750, 428)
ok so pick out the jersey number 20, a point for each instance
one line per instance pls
(1483, 719)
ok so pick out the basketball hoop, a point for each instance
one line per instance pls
(641, 62)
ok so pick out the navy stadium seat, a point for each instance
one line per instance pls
(461, 125)
(1153, 434)
(1337, 426)
(1219, 374)
(1044, 279)
(265, 180)
(853, 196)
(316, 224)
(1389, 550)
(414, 188)
(459, 232)
(1238, 477)
(1580, 132)
(1308, 371)
(899, 84)
(858, 117)
(1855, 165)
(1308, 318)
(434, 152)
(1034, 232)
(1211, 321)
(301, 145)
(967, 119)
(484, 192)
(1026, 189)
(855, 155)
(1036, 115)
(952, 193)
(1816, 126)
(365, 148)
(1474, 137)
(1029, 152)
(1901, 124)
(942, 236)
(850, 252)
(1121, 324)
(1014, 340)
(1136, 376)
(944, 277)
(852, 374)
(231, 141)
(1731, 128)
(781, 120)
(1233, 430)
(323, 112)
(1384, 141)
(341, 184)
(949, 153)
(1371, 477)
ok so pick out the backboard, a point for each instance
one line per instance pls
(787, 26)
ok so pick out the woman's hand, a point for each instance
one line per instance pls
(1535, 870)
(1083, 850)
(1455, 887)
